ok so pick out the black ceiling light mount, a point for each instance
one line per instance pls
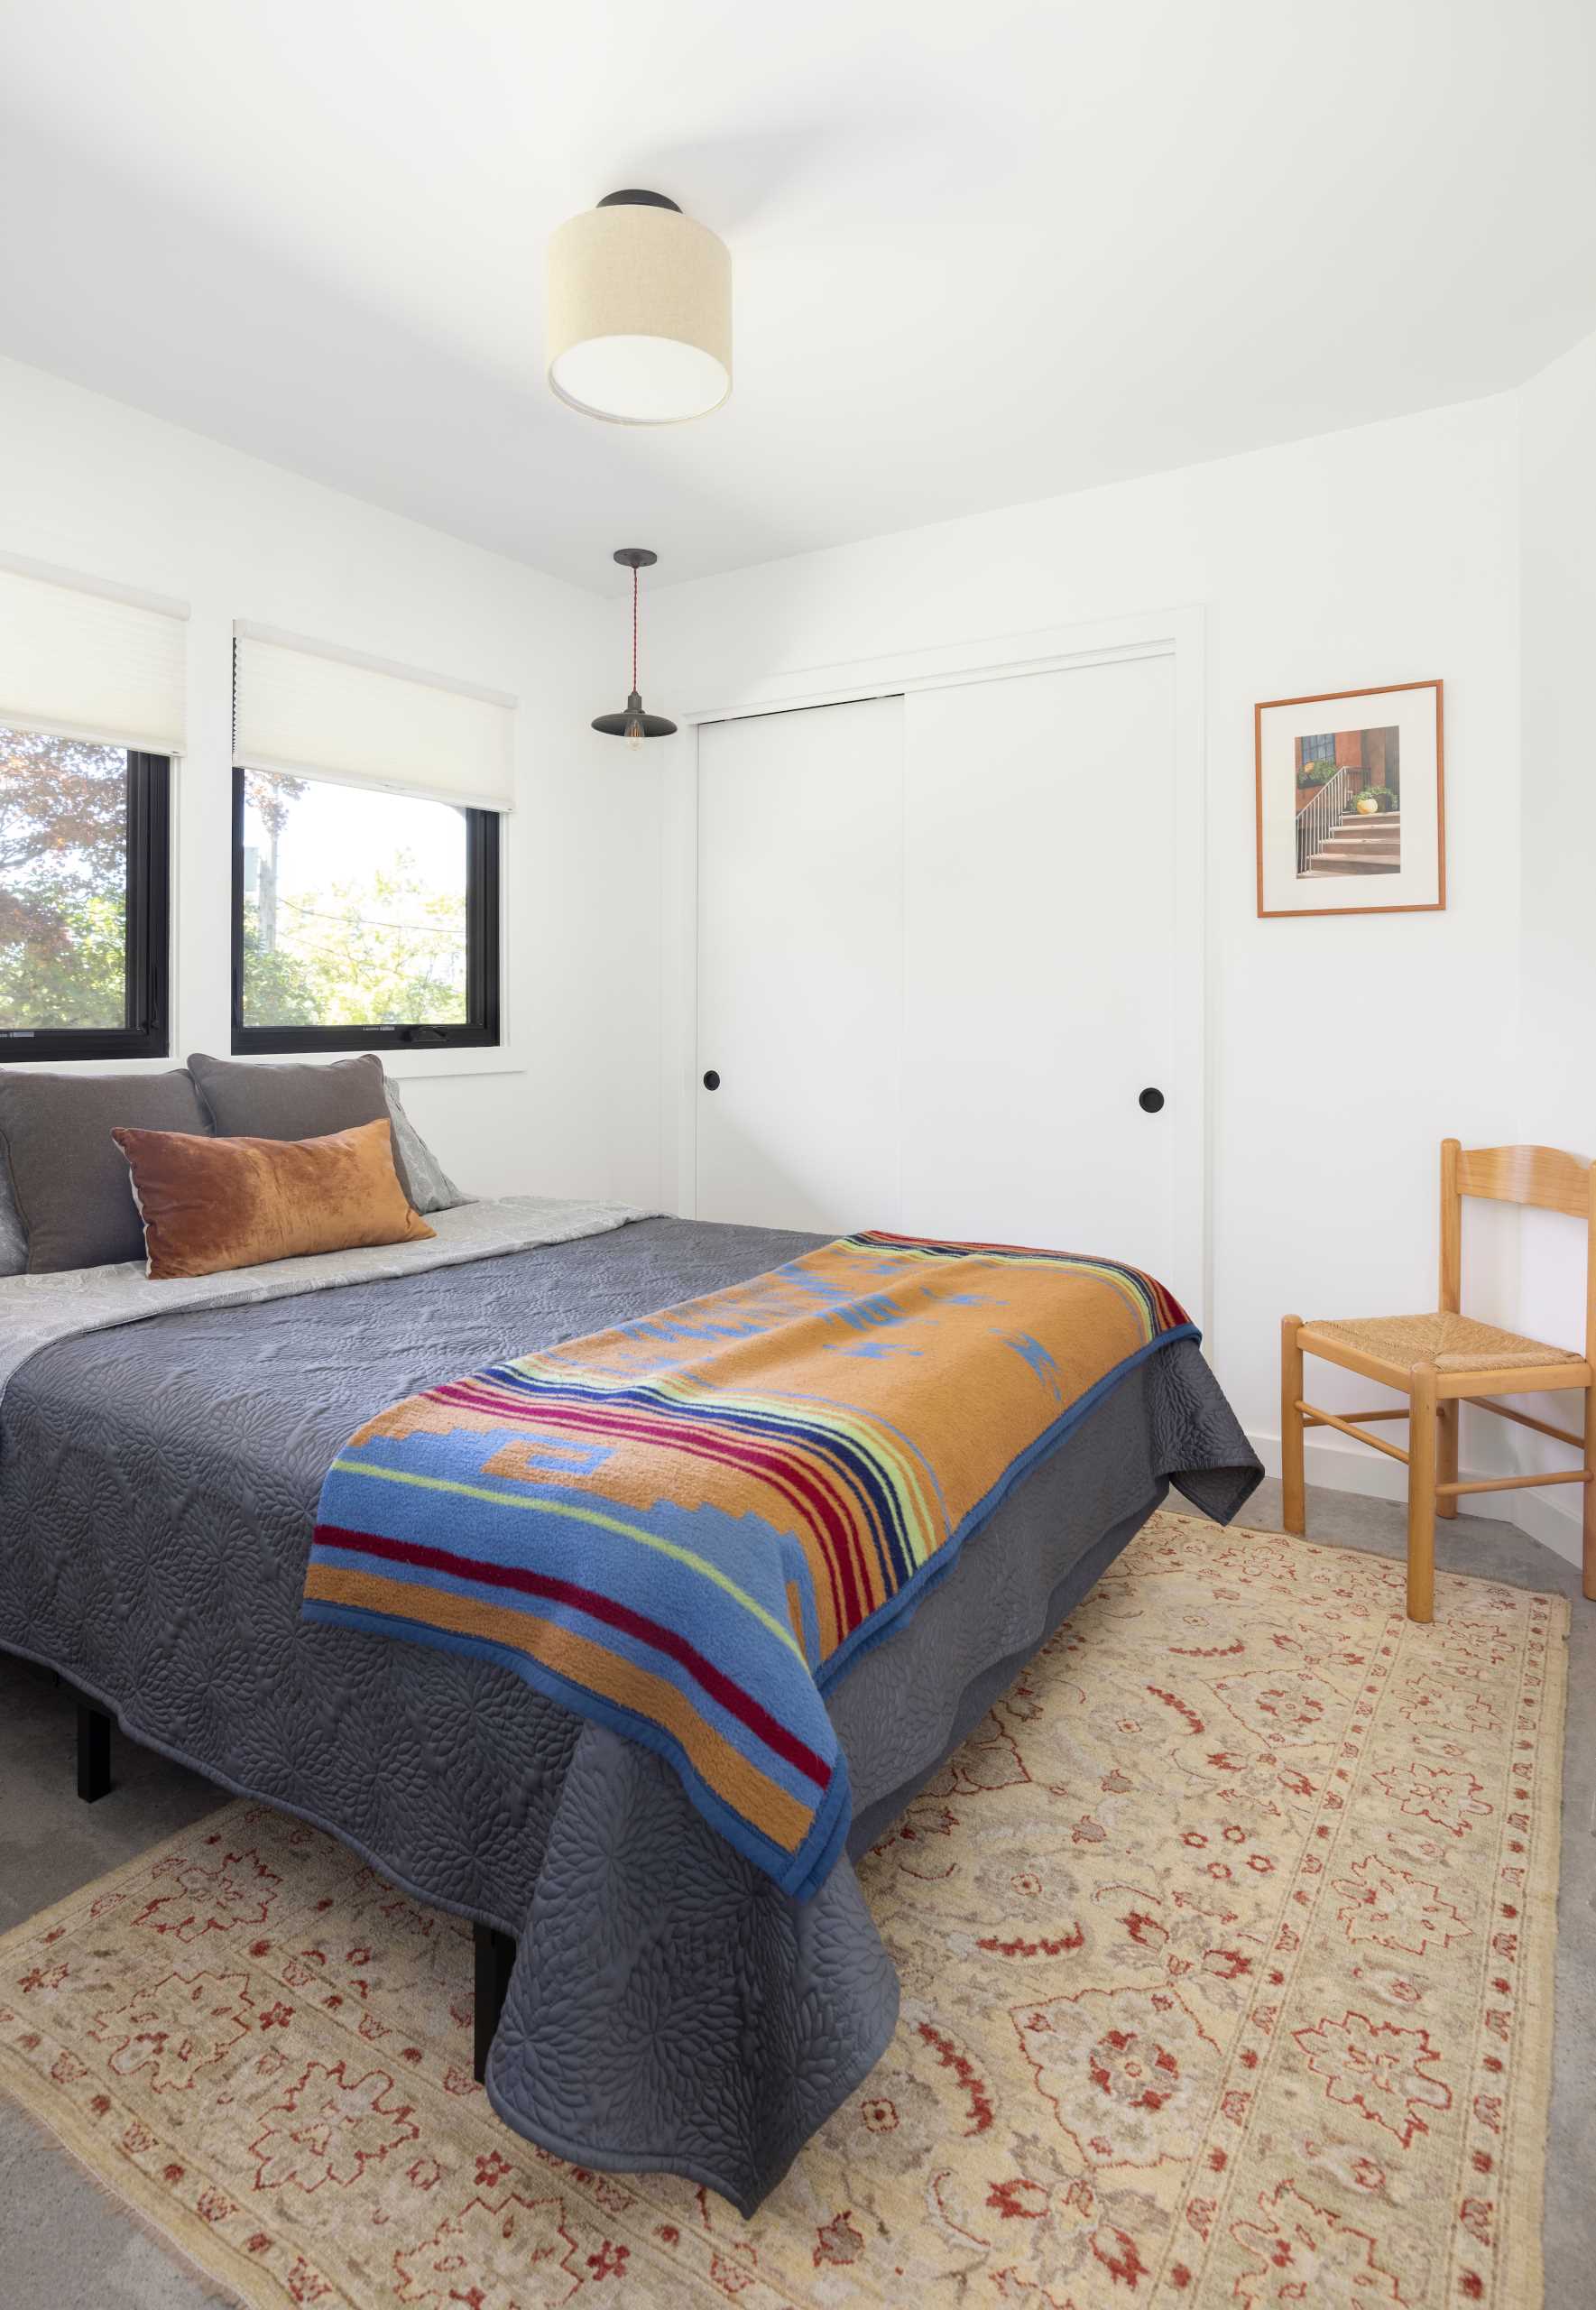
(635, 725)
(636, 199)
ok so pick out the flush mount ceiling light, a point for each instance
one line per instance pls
(639, 312)
(635, 725)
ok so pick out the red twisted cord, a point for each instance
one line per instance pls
(635, 629)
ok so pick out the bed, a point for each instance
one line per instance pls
(667, 2008)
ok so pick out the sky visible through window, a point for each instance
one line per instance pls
(354, 906)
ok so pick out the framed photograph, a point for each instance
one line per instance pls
(1351, 816)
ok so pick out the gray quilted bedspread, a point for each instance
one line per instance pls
(669, 2008)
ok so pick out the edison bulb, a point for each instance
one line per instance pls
(635, 737)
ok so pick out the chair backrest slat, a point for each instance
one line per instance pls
(1542, 1176)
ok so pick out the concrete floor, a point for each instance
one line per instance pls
(65, 2245)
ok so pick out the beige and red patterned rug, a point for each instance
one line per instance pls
(1226, 1946)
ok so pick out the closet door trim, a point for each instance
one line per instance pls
(1178, 635)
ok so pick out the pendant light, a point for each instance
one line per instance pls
(638, 312)
(635, 725)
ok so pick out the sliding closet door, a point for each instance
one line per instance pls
(800, 966)
(1039, 962)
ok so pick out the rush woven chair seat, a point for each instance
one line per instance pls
(1451, 1343)
(1440, 1362)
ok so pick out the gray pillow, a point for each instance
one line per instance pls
(431, 1188)
(299, 1099)
(69, 1177)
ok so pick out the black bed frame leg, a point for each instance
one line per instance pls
(495, 1956)
(94, 1752)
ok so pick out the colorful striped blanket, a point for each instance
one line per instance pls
(687, 1527)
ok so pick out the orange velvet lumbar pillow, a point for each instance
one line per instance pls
(212, 1203)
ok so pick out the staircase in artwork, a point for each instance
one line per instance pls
(1357, 845)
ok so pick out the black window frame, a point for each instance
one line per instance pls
(147, 939)
(479, 1031)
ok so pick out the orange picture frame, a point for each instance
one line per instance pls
(1270, 871)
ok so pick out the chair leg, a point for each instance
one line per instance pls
(1421, 1496)
(1294, 1505)
(1447, 1422)
(1590, 1492)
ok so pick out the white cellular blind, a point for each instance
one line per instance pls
(318, 714)
(88, 662)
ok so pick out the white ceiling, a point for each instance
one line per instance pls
(983, 251)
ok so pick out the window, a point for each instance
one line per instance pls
(83, 899)
(366, 799)
(361, 918)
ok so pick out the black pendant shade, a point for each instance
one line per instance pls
(635, 725)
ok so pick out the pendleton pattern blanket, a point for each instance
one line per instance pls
(687, 1527)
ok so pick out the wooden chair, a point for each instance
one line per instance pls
(1443, 1361)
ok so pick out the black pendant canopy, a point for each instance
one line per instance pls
(635, 725)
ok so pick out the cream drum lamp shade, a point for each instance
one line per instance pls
(640, 313)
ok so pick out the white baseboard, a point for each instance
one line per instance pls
(1345, 1468)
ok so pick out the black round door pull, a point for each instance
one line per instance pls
(1151, 1101)
(712, 1081)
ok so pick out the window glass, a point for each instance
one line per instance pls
(64, 820)
(355, 906)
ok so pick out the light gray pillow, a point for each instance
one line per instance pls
(69, 1177)
(299, 1099)
(431, 1188)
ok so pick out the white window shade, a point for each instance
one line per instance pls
(87, 661)
(319, 713)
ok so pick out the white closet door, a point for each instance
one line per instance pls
(1039, 969)
(800, 966)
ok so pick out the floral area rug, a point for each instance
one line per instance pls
(1226, 1946)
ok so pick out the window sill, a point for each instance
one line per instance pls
(408, 1066)
(406, 1063)
(404, 1066)
(90, 1065)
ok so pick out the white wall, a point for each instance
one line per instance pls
(1341, 1049)
(570, 1106)
(1557, 1032)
